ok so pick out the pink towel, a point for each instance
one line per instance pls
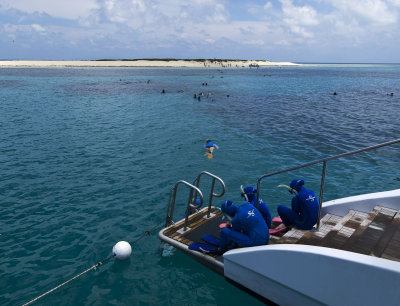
(274, 231)
(277, 220)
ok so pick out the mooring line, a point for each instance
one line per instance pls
(71, 279)
(146, 233)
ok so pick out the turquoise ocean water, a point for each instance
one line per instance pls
(88, 156)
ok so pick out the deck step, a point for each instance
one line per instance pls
(360, 229)
(317, 238)
(295, 235)
(369, 238)
(376, 233)
(392, 250)
(387, 237)
(344, 230)
(326, 225)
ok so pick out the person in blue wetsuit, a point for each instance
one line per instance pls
(304, 212)
(248, 227)
(249, 193)
(209, 147)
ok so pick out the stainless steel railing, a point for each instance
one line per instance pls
(324, 161)
(192, 201)
(196, 182)
(172, 198)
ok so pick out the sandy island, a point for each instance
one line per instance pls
(146, 63)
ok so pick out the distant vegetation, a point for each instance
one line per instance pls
(201, 60)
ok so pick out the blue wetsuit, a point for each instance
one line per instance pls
(251, 192)
(248, 227)
(262, 207)
(304, 212)
(211, 144)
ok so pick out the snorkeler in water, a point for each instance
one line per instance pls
(209, 147)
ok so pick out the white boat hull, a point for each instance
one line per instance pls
(295, 274)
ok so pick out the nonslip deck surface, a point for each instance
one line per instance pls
(199, 225)
(376, 233)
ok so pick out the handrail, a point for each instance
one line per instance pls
(324, 161)
(196, 182)
(170, 210)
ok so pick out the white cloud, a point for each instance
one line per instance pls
(219, 14)
(299, 15)
(181, 26)
(267, 5)
(159, 14)
(38, 28)
(282, 43)
(301, 31)
(256, 42)
(367, 11)
(71, 9)
(395, 2)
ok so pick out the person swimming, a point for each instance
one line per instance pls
(209, 147)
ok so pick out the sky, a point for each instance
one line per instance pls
(328, 31)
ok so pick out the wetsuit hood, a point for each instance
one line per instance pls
(250, 191)
(228, 208)
(209, 143)
(297, 184)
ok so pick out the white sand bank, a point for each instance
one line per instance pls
(142, 63)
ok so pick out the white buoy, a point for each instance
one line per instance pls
(122, 250)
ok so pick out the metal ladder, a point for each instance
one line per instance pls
(192, 203)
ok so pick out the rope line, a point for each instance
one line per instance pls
(146, 233)
(71, 279)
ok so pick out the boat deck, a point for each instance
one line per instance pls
(199, 225)
(376, 233)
